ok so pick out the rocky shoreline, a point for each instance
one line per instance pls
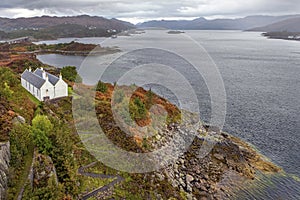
(230, 163)
(80, 53)
(283, 35)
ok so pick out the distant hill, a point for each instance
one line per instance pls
(46, 27)
(46, 21)
(3, 35)
(172, 24)
(59, 31)
(287, 25)
(217, 24)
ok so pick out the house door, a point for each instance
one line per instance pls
(46, 98)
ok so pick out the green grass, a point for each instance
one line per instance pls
(32, 98)
(16, 95)
(89, 184)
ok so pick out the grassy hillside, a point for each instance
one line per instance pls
(66, 151)
(14, 101)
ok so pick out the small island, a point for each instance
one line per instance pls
(175, 32)
(72, 48)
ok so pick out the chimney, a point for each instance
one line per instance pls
(29, 69)
(60, 76)
(44, 75)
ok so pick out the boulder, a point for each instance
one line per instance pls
(219, 156)
(19, 119)
(189, 178)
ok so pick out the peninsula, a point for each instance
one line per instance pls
(47, 157)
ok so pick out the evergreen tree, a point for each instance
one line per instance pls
(101, 87)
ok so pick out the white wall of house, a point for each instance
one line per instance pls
(47, 90)
(23, 83)
(30, 88)
(61, 89)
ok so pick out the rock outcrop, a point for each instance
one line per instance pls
(4, 168)
(229, 162)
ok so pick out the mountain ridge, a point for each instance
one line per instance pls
(288, 25)
(201, 23)
(42, 22)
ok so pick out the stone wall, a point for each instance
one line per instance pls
(4, 168)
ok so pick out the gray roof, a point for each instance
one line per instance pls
(52, 79)
(35, 80)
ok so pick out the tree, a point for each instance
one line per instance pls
(66, 168)
(20, 141)
(41, 129)
(137, 109)
(101, 87)
(70, 73)
(20, 147)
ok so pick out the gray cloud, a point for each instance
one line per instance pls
(143, 10)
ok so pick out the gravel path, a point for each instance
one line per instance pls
(117, 179)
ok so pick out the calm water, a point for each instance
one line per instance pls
(262, 82)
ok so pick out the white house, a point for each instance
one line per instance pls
(44, 85)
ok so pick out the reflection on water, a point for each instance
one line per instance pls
(61, 61)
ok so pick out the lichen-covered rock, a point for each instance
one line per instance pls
(4, 168)
(43, 169)
(19, 119)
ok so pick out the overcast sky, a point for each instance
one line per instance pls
(142, 10)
